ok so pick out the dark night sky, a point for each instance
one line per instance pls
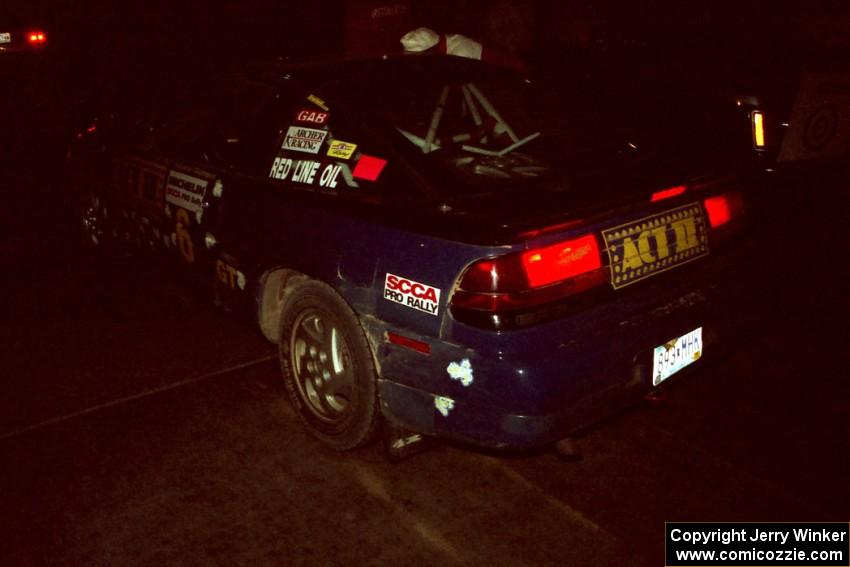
(311, 27)
(736, 42)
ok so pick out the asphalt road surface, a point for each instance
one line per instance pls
(141, 426)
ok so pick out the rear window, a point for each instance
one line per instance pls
(478, 131)
(467, 128)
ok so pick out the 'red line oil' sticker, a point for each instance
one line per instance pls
(412, 294)
(369, 168)
(318, 102)
(312, 116)
(306, 171)
(307, 140)
(340, 149)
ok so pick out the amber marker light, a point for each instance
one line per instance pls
(757, 119)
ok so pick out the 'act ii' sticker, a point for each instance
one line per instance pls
(307, 140)
(186, 191)
(340, 149)
(312, 116)
(412, 294)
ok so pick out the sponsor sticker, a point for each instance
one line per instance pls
(307, 171)
(301, 139)
(312, 116)
(409, 293)
(318, 102)
(229, 276)
(340, 149)
(185, 191)
(651, 245)
(369, 168)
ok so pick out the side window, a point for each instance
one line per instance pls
(234, 130)
(259, 134)
(318, 148)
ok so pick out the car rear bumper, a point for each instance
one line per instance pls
(535, 387)
(473, 422)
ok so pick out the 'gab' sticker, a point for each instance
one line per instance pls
(307, 140)
(340, 149)
(412, 294)
(312, 116)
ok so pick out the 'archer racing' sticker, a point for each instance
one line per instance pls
(301, 139)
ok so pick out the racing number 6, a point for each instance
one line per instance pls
(184, 239)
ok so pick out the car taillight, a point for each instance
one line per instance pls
(522, 281)
(667, 193)
(724, 208)
(561, 261)
(757, 120)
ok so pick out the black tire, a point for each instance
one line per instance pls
(327, 366)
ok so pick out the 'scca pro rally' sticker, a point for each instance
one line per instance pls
(412, 294)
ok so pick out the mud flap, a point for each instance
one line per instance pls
(401, 443)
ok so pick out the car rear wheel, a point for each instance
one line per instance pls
(327, 366)
(94, 221)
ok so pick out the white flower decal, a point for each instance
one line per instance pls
(444, 405)
(461, 372)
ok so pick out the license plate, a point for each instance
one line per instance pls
(5, 37)
(655, 244)
(676, 354)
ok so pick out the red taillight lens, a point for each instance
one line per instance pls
(667, 193)
(723, 208)
(518, 282)
(37, 37)
(561, 261)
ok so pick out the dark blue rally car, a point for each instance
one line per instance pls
(431, 242)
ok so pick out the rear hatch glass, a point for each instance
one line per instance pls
(483, 137)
